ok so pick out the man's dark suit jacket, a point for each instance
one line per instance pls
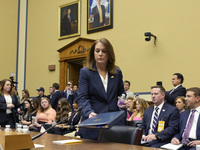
(170, 115)
(182, 125)
(93, 98)
(96, 23)
(3, 107)
(39, 97)
(65, 26)
(55, 98)
(170, 98)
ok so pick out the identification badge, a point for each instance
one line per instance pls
(161, 125)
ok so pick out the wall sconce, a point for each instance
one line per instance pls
(149, 37)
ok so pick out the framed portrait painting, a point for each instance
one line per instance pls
(69, 20)
(99, 15)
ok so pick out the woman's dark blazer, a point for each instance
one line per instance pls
(92, 96)
(3, 107)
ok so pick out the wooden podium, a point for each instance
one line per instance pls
(14, 140)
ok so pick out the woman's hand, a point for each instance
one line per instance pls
(124, 101)
(23, 121)
(19, 111)
(10, 106)
(92, 114)
(37, 124)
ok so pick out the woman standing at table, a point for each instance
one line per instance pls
(8, 104)
(100, 84)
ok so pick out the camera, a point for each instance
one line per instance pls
(159, 83)
(12, 81)
(149, 35)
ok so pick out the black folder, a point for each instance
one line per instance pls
(103, 120)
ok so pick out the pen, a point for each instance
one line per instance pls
(188, 140)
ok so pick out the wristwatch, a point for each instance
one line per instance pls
(157, 136)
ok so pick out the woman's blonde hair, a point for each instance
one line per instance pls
(111, 56)
(143, 105)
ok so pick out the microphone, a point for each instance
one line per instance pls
(78, 110)
(72, 126)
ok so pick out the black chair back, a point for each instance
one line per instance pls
(121, 134)
(134, 123)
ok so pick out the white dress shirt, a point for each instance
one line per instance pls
(193, 130)
(105, 82)
(8, 101)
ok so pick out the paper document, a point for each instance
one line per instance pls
(171, 146)
(67, 141)
(38, 145)
(144, 142)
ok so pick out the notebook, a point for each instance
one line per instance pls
(103, 120)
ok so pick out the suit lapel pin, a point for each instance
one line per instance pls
(163, 110)
(112, 77)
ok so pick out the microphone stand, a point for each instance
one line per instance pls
(40, 134)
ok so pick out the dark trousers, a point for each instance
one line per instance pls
(9, 121)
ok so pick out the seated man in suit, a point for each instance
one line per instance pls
(160, 122)
(178, 89)
(189, 125)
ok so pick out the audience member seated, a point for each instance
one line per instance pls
(21, 107)
(64, 111)
(75, 105)
(178, 90)
(40, 93)
(26, 115)
(45, 114)
(127, 85)
(141, 106)
(160, 121)
(180, 103)
(35, 103)
(129, 106)
(25, 95)
(189, 133)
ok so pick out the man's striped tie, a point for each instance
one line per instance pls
(155, 120)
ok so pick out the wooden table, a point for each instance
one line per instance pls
(47, 139)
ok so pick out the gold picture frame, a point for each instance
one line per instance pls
(69, 20)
